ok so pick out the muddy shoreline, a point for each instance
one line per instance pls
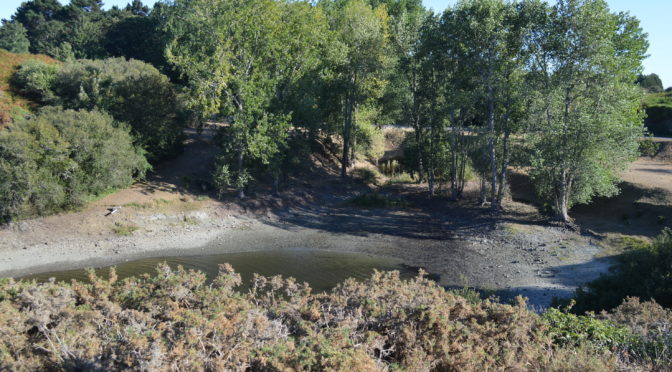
(538, 262)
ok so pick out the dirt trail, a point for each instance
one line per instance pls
(169, 214)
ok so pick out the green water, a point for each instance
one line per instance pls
(321, 269)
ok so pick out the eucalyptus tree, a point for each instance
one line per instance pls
(238, 56)
(583, 62)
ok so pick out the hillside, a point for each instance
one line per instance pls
(12, 104)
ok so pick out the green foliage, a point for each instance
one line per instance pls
(13, 37)
(240, 63)
(588, 111)
(645, 271)
(581, 330)
(82, 29)
(56, 159)
(648, 146)
(131, 91)
(651, 83)
(35, 79)
(658, 108)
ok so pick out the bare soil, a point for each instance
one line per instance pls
(459, 243)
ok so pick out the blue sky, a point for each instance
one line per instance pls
(654, 15)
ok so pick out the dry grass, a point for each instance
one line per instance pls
(124, 229)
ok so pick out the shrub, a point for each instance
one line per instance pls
(35, 79)
(175, 320)
(644, 272)
(55, 159)
(131, 91)
(369, 176)
(581, 330)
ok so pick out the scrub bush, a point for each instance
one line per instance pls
(176, 320)
(131, 91)
(56, 159)
(644, 272)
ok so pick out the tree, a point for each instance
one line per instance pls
(14, 37)
(651, 83)
(588, 116)
(238, 56)
(362, 39)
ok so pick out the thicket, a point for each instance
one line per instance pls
(131, 91)
(56, 159)
(175, 320)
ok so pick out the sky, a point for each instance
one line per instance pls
(653, 14)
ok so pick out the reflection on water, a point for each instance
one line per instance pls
(321, 269)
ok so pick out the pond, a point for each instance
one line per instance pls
(321, 269)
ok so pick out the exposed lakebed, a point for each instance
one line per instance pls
(321, 269)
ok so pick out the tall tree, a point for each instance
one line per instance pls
(238, 56)
(13, 37)
(362, 39)
(589, 119)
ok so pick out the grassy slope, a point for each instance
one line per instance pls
(12, 104)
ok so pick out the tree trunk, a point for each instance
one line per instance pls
(276, 183)
(505, 162)
(453, 158)
(347, 126)
(418, 137)
(562, 198)
(482, 199)
(239, 164)
(493, 155)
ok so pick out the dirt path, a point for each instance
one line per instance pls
(460, 244)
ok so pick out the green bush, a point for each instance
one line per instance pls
(644, 272)
(56, 159)
(131, 91)
(581, 330)
(34, 80)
